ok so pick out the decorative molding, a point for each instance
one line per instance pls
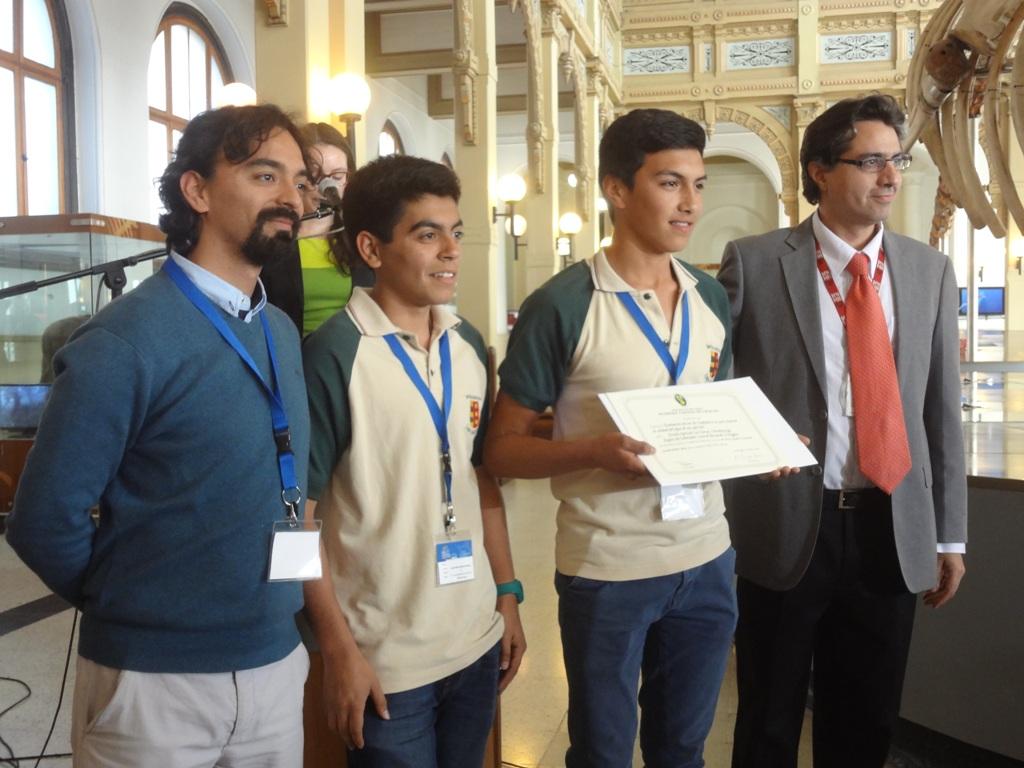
(845, 49)
(759, 54)
(277, 12)
(709, 57)
(465, 70)
(777, 143)
(857, 24)
(690, 91)
(808, 109)
(911, 42)
(658, 36)
(656, 61)
(878, 80)
(574, 64)
(782, 113)
(536, 133)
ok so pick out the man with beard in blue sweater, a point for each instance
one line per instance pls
(180, 411)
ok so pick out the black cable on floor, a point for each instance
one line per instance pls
(14, 761)
(11, 760)
(60, 696)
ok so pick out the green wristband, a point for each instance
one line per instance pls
(514, 587)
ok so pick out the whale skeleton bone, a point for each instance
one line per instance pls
(961, 71)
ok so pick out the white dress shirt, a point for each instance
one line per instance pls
(220, 292)
(841, 470)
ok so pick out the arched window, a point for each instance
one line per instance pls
(35, 108)
(187, 66)
(390, 141)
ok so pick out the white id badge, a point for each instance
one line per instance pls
(682, 502)
(846, 396)
(454, 557)
(295, 551)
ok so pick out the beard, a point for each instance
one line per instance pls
(261, 250)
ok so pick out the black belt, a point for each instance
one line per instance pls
(861, 498)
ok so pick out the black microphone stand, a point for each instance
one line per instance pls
(113, 275)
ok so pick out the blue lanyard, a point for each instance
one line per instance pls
(290, 492)
(438, 413)
(675, 367)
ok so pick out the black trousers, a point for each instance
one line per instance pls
(851, 615)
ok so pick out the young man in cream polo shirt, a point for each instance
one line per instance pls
(416, 640)
(639, 595)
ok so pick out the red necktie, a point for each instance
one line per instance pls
(882, 448)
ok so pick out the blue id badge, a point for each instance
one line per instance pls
(454, 557)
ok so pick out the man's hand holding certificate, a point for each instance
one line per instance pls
(703, 432)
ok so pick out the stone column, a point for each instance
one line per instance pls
(809, 103)
(475, 83)
(539, 262)
(589, 238)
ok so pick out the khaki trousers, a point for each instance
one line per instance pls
(246, 719)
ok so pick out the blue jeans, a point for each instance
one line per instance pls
(438, 725)
(676, 630)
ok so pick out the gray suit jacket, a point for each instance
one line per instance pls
(772, 282)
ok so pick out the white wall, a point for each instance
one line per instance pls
(739, 200)
(111, 40)
(402, 100)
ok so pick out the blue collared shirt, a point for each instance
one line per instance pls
(221, 292)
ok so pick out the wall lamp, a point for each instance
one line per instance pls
(234, 95)
(511, 189)
(349, 98)
(569, 225)
(1017, 253)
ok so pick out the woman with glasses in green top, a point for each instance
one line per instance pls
(316, 284)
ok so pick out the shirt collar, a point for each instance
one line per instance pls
(608, 280)
(838, 252)
(371, 320)
(220, 292)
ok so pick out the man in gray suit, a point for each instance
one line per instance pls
(829, 559)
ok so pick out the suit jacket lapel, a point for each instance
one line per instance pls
(801, 275)
(902, 295)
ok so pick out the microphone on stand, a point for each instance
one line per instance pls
(330, 202)
(331, 192)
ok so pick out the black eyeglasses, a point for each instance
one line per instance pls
(877, 163)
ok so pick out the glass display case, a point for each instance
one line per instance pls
(35, 323)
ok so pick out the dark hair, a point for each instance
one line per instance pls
(377, 193)
(830, 134)
(322, 133)
(236, 133)
(628, 141)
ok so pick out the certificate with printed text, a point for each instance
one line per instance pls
(704, 432)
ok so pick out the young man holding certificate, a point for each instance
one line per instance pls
(640, 592)
(418, 619)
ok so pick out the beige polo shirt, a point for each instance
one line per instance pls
(375, 471)
(574, 340)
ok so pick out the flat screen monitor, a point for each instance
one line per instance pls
(21, 405)
(991, 300)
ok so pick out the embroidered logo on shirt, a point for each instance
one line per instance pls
(474, 414)
(713, 372)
